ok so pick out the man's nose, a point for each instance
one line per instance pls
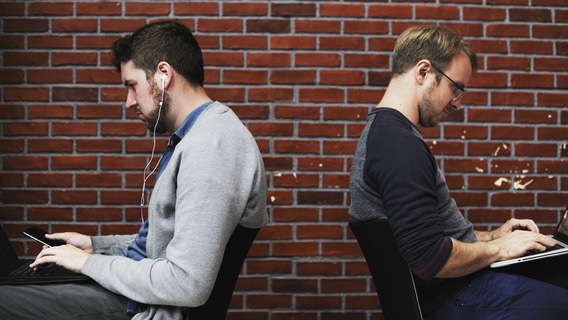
(456, 104)
(130, 101)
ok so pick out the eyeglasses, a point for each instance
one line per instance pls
(457, 85)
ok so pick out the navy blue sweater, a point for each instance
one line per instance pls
(395, 175)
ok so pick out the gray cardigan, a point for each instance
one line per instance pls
(214, 181)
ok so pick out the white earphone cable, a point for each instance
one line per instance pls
(146, 177)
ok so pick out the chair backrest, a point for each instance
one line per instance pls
(235, 253)
(392, 276)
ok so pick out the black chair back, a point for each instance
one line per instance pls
(235, 253)
(392, 276)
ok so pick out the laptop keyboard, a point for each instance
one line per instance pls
(43, 270)
(534, 251)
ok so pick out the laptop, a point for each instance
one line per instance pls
(560, 235)
(14, 271)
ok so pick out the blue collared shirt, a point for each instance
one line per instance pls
(137, 250)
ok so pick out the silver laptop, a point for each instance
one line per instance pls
(560, 235)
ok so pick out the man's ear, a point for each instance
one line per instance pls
(421, 71)
(164, 74)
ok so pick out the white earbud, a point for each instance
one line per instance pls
(164, 77)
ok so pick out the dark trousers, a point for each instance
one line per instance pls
(61, 301)
(531, 290)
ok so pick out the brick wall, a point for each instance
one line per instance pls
(302, 76)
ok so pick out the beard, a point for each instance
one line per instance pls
(156, 120)
(428, 117)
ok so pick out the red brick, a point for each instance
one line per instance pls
(390, 11)
(484, 13)
(446, 148)
(489, 148)
(552, 166)
(552, 99)
(27, 196)
(73, 162)
(319, 231)
(342, 77)
(271, 94)
(245, 76)
(11, 180)
(320, 163)
(50, 213)
(318, 302)
(25, 25)
(293, 76)
(269, 266)
(74, 197)
(50, 145)
(199, 8)
(550, 31)
(293, 42)
(294, 248)
(293, 9)
(74, 128)
(317, 26)
(320, 130)
(512, 132)
(272, 232)
(297, 112)
(219, 25)
(48, 76)
(437, 12)
(507, 30)
(98, 8)
(267, 59)
(295, 214)
(320, 197)
(342, 43)
(244, 42)
(511, 166)
(12, 111)
(340, 147)
(321, 94)
(330, 268)
(245, 9)
(317, 59)
(535, 149)
(295, 180)
(268, 25)
(251, 111)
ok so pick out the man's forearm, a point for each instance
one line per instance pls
(467, 258)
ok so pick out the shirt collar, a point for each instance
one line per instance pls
(189, 121)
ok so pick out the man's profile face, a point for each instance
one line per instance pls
(437, 100)
(144, 97)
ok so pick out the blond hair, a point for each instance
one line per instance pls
(435, 43)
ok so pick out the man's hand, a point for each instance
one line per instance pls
(514, 224)
(78, 240)
(507, 243)
(518, 242)
(507, 228)
(67, 256)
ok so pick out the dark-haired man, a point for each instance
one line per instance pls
(395, 175)
(211, 178)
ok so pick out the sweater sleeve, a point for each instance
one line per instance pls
(402, 169)
(214, 180)
(110, 245)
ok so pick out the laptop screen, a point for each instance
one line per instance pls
(7, 255)
(561, 232)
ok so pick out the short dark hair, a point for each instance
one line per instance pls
(169, 41)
